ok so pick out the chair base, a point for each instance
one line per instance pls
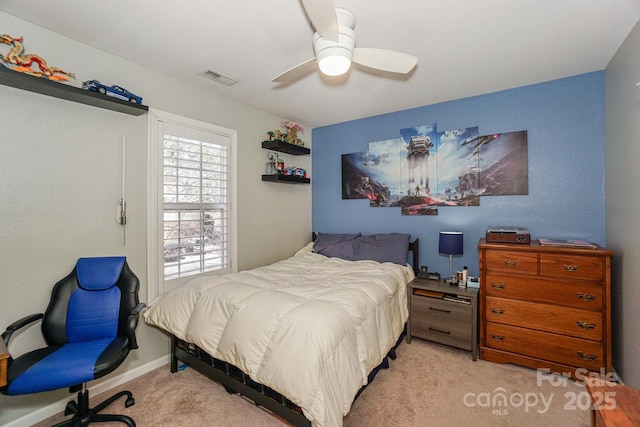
(83, 415)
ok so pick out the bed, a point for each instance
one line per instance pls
(301, 337)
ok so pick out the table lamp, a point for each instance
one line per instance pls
(450, 244)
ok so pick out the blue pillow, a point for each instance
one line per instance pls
(393, 247)
(336, 245)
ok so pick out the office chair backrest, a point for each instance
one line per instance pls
(92, 302)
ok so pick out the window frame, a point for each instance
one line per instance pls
(156, 285)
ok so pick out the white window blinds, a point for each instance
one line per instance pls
(195, 201)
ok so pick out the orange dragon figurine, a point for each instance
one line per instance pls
(22, 63)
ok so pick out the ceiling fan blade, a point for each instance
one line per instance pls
(296, 72)
(385, 60)
(324, 18)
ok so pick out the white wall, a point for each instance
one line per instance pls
(623, 202)
(60, 181)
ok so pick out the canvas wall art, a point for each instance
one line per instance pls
(425, 169)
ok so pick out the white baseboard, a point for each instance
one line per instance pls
(58, 407)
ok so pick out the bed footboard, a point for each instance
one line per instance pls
(236, 381)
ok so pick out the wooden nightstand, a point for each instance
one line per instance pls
(436, 315)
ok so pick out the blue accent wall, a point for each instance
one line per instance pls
(566, 143)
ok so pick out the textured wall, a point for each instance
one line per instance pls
(623, 202)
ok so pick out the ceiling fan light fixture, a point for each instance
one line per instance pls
(334, 58)
(334, 65)
(334, 53)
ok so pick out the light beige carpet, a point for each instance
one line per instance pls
(427, 385)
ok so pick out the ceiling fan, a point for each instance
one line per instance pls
(334, 45)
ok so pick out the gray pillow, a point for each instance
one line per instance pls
(336, 245)
(393, 247)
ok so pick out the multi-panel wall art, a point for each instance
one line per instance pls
(424, 169)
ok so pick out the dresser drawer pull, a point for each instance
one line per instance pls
(510, 263)
(497, 285)
(497, 337)
(497, 310)
(438, 330)
(586, 297)
(586, 326)
(587, 357)
(440, 310)
(570, 267)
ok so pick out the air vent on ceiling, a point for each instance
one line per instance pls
(217, 76)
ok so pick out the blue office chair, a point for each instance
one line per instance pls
(89, 327)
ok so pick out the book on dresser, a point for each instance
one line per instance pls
(570, 243)
(546, 307)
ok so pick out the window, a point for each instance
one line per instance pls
(191, 215)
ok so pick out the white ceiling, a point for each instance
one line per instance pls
(465, 47)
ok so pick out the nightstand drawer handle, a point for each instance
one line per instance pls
(510, 263)
(586, 326)
(497, 285)
(440, 310)
(497, 311)
(497, 337)
(585, 357)
(570, 267)
(586, 297)
(438, 330)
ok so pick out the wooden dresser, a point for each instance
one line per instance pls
(545, 307)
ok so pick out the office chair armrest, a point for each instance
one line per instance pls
(132, 323)
(19, 324)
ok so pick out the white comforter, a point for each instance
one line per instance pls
(309, 327)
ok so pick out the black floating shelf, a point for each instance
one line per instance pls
(283, 147)
(286, 179)
(70, 93)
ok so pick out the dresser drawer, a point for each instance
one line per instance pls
(546, 346)
(572, 266)
(570, 293)
(439, 309)
(512, 262)
(545, 317)
(453, 333)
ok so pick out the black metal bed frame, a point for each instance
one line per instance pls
(236, 381)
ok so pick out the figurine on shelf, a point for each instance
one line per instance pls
(18, 61)
(277, 135)
(292, 132)
(271, 134)
(271, 164)
(295, 171)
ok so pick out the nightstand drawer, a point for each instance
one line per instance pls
(434, 308)
(453, 333)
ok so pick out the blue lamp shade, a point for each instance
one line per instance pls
(451, 242)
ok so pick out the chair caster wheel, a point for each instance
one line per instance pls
(230, 390)
(129, 402)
